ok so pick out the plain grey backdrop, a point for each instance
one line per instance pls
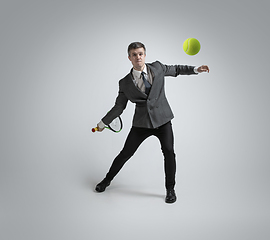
(60, 64)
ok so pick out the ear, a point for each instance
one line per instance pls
(129, 58)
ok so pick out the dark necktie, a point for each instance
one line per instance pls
(146, 83)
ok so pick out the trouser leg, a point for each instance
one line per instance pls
(135, 137)
(166, 138)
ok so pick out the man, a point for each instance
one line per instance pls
(144, 86)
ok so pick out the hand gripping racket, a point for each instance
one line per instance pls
(116, 125)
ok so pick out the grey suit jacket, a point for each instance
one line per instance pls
(153, 110)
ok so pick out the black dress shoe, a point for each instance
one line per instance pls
(102, 185)
(170, 197)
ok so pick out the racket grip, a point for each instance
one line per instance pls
(94, 129)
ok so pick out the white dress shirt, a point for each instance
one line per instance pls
(137, 78)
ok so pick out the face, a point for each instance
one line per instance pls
(137, 58)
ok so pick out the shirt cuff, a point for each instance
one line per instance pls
(196, 69)
(101, 125)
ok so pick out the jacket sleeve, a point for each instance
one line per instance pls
(175, 70)
(117, 109)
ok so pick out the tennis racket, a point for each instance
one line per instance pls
(116, 125)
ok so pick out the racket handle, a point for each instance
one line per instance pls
(94, 129)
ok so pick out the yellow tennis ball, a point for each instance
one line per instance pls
(191, 46)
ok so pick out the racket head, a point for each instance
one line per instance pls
(116, 125)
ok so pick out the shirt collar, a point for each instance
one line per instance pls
(138, 73)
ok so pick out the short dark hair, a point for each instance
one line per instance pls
(136, 45)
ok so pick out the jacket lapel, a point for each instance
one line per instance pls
(135, 90)
(132, 87)
(152, 70)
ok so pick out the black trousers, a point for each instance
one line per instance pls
(135, 137)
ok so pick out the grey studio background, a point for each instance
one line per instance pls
(60, 66)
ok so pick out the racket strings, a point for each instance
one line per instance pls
(115, 124)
